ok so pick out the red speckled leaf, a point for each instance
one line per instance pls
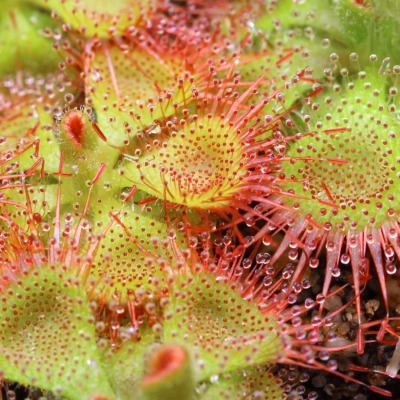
(99, 18)
(223, 331)
(47, 338)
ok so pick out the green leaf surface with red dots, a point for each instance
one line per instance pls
(222, 331)
(251, 383)
(98, 18)
(47, 336)
(133, 88)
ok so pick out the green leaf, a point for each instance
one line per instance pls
(256, 383)
(194, 167)
(99, 18)
(131, 89)
(124, 365)
(24, 123)
(47, 336)
(353, 140)
(222, 331)
(23, 46)
(135, 255)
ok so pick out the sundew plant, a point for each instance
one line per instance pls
(199, 200)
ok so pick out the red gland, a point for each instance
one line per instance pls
(99, 397)
(74, 126)
(165, 362)
(37, 218)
